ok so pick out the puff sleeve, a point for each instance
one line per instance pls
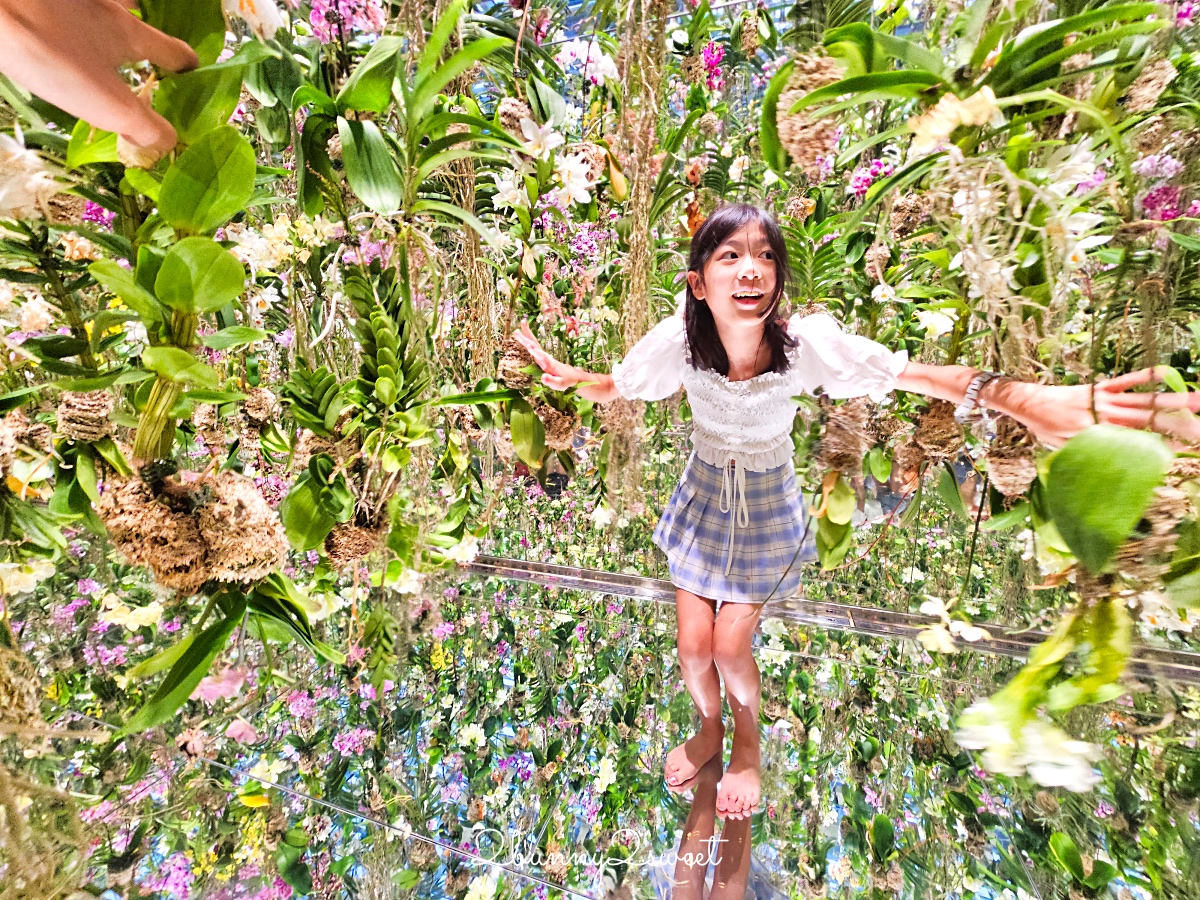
(653, 368)
(843, 365)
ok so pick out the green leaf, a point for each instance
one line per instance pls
(1066, 854)
(841, 503)
(196, 102)
(1099, 485)
(905, 85)
(162, 659)
(833, 542)
(947, 489)
(475, 397)
(1186, 241)
(209, 183)
(369, 86)
(90, 145)
(1172, 379)
(292, 868)
(12, 399)
(487, 234)
(883, 838)
(528, 433)
(192, 666)
(425, 92)
(370, 166)
(199, 23)
(178, 365)
(120, 281)
(233, 336)
(199, 276)
(306, 520)
(1008, 519)
(879, 464)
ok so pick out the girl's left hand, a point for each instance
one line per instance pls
(1057, 413)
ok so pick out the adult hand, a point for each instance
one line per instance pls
(67, 52)
(558, 375)
(1056, 413)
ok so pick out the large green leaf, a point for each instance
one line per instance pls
(196, 102)
(120, 281)
(209, 183)
(528, 433)
(200, 23)
(90, 145)
(369, 86)
(187, 672)
(233, 337)
(178, 365)
(864, 88)
(487, 234)
(370, 166)
(199, 276)
(425, 92)
(1100, 484)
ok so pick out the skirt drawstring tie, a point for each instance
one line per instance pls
(733, 501)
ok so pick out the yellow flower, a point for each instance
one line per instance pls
(437, 657)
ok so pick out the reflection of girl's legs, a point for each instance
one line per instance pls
(696, 847)
(734, 658)
(694, 640)
(733, 866)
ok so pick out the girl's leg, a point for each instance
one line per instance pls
(733, 866)
(696, 847)
(734, 658)
(694, 640)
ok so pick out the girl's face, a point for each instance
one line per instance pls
(739, 279)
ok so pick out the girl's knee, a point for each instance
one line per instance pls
(730, 649)
(695, 647)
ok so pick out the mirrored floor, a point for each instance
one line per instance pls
(520, 752)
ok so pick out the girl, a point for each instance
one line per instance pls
(735, 526)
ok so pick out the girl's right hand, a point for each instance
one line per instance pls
(558, 375)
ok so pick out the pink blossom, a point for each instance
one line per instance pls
(1161, 203)
(241, 731)
(224, 686)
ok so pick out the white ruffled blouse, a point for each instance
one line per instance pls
(750, 421)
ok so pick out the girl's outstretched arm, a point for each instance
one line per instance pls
(559, 376)
(1055, 413)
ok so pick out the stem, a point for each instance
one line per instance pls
(70, 308)
(156, 428)
(983, 496)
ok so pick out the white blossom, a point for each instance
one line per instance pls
(573, 174)
(464, 551)
(25, 182)
(936, 322)
(540, 140)
(606, 775)
(263, 16)
(509, 193)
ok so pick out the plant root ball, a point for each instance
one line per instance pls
(937, 433)
(348, 543)
(513, 360)
(85, 416)
(245, 538)
(145, 531)
(1010, 465)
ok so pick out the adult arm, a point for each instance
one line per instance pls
(1054, 413)
(68, 51)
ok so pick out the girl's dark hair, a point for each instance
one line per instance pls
(704, 344)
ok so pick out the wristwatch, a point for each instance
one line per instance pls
(970, 401)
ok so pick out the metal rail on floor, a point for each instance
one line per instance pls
(1179, 666)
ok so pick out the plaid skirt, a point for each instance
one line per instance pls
(771, 539)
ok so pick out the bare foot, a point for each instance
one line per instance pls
(686, 760)
(740, 786)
